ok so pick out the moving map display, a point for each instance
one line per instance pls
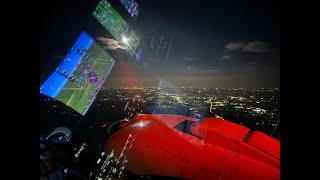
(80, 76)
(116, 25)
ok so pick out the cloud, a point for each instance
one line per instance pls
(189, 59)
(252, 63)
(234, 46)
(225, 57)
(210, 70)
(250, 46)
(201, 69)
(111, 43)
(256, 46)
(190, 68)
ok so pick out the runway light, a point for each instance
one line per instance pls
(125, 40)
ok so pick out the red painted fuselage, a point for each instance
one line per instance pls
(212, 148)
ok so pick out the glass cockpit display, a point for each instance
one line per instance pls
(80, 76)
(132, 7)
(116, 25)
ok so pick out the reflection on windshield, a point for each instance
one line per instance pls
(172, 100)
(185, 126)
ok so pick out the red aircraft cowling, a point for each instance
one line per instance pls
(212, 148)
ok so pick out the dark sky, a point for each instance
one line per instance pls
(216, 43)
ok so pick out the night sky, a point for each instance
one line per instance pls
(225, 44)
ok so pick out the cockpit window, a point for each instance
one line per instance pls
(185, 126)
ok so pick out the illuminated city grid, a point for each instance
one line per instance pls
(256, 108)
